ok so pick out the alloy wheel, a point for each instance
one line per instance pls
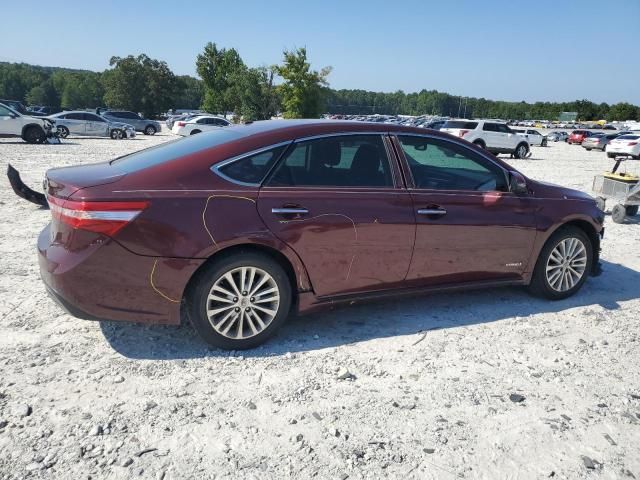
(242, 302)
(566, 264)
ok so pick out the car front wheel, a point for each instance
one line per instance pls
(240, 301)
(34, 135)
(563, 265)
(63, 132)
(521, 151)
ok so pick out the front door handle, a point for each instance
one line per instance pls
(432, 211)
(290, 211)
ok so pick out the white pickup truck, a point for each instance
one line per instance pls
(30, 129)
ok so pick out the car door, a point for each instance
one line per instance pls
(340, 204)
(96, 125)
(10, 122)
(508, 138)
(469, 226)
(76, 123)
(490, 133)
(534, 137)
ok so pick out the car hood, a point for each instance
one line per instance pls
(551, 190)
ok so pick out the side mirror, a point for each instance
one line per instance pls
(518, 184)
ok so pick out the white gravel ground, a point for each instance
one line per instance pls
(429, 397)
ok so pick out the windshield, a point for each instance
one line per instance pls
(158, 154)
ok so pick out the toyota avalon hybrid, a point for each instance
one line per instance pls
(237, 228)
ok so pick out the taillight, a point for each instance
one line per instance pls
(462, 133)
(181, 124)
(101, 217)
(631, 144)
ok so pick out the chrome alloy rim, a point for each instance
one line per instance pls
(566, 264)
(243, 302)
(522, 151)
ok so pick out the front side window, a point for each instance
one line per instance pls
(441, 165)
(93, 118)
(340, 161)
(490, 127)
(75, 116)
(252, 169)
(5, 112)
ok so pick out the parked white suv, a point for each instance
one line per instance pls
(30, 129)
(199, 124)
(494, 136)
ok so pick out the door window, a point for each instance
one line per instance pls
(490, 127)
(5, 112)
(339, 161)
(75, 116)
(442, 165)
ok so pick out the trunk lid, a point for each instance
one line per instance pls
(64, 182)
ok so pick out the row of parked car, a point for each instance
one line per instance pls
(17, 121)
(625, 143)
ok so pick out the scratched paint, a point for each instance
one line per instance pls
(153, 270)
(206, 205)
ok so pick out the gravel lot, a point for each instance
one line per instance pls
(488, 384)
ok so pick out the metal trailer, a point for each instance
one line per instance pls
(622, 187)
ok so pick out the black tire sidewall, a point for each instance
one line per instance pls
(150, 128)
(64, 131)
(198, 292)
(34, 135)
(539, 284)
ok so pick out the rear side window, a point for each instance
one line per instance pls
(253, 168)
(628, 137)
(158, 154)
(490, 127)
(75, 116)
(460, 124)
(340, 161)
(440, 165)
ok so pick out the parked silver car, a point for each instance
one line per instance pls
(148, 127)
(91, 125)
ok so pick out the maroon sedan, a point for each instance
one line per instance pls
(236, 228)
(578, 136)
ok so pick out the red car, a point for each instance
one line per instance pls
(235, 229)
(578, 136)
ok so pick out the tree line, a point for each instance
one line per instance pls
(227, 84)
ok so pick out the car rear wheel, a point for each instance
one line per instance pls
(479, 143)
(193, 132)
(150, 130)
(563, 265)
(240, 301)
(521, 151)
(116, 134)
(63, 132)
(34, 135)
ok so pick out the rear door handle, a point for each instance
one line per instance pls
(432, 211)
(290, 211)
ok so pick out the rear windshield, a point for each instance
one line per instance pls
(628, 137)
(460, 124)
(158, 154)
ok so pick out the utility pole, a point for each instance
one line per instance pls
(459, 107)
(466, 100)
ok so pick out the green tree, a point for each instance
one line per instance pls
(302, 89)
(623, 111)
(141, 84)
(217, 67)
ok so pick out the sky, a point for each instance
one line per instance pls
(541, 50)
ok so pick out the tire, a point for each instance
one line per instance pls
(521, 151)
(236, 306)
(544, 142)
(611, 155)
(34, 134)
(116, 134)
(150, 130)
(631, 210)
(63, 132)
(480, 144)
(618, 213)
(193, 132)
(601, 203)
(541, 285)
(588, 149)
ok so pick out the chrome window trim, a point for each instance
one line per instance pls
(481, 154)
(216, 167)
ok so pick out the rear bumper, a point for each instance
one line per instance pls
(106, 281)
